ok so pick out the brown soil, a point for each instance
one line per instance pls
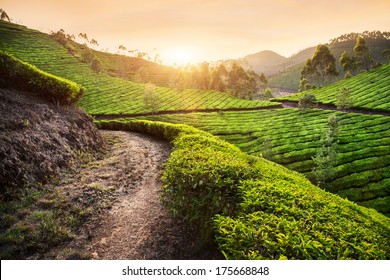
(137, 226)
(38, 138)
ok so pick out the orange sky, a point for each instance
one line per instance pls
(199, 30)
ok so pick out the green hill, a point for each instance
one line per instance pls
(369, 90)
(255, 209)
(135, 69)
(287, 74)
(363, 159)
(105, 94)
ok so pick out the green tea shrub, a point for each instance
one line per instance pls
(256, 209)
(17, 74)
(280, 220)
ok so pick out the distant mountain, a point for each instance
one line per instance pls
(265, 62)
(284, 73)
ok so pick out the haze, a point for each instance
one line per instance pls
(203, 30)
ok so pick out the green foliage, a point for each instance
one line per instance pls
(348, 63)
(257, 209)
(20, 75)
(319, 69)
(363, 54)
(326, 157)
(111, 95)
(363, 147)
(369, 90)
(96, 65)
(344, 99)
(151, 99)
(308, 101)
(268, 94)
(279, 220)
(266, 149)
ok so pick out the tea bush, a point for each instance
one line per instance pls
(23, 76)
(256, 209)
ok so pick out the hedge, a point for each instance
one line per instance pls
(256, 209)
(17, 74)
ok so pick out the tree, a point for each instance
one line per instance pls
(386, 53)
(304, 84)
(96, 65)
(319, 69)
(122, 48)
(204, 76)
(241, 83)
(93, 42)
(268, 94)
(326, 157)
(87, 55)
(218, 77)
(151, 98)
(348, 63)
(263, 81)
(84, 36)
(4, 15)
(266, 149)
(343, 99)
(363, 54)
(308, 101)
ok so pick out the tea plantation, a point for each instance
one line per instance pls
(363, 158)
(216, 178)
(105, 94)
(369, 90)
(258, 210)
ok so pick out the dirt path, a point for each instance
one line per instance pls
(137, 226)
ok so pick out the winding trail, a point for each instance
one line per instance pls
(137, 226)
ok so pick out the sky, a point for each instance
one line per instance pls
(194, 31)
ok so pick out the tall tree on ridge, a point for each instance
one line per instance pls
(348, 63)
(362, 53)
(4, 16)
(319, 69)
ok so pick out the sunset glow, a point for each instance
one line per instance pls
(217, 29)
(181, 57)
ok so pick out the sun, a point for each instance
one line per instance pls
(181, 57)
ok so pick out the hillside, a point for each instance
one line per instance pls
(135, 69)
(229, 195)
(105, 94)
(33, 142)
(368, 90)
(259, 210)
(285, 74)
(362, 169)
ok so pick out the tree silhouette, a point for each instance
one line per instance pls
(4, 16)
(94, 42)
(84, 36)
